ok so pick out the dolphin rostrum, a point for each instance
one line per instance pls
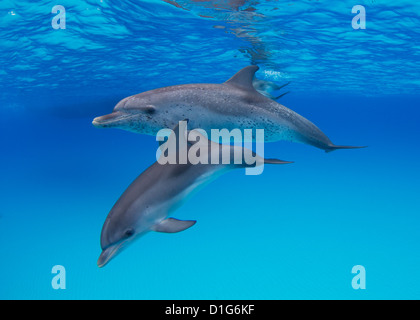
(161, 189)
(234, 104)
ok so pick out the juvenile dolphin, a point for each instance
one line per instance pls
(158, 191)
(234, 104)
(267, 87)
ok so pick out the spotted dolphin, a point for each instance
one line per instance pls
(234, 104)
(162, 188)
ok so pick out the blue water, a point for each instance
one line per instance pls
(294, 232)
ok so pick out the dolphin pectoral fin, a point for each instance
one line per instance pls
(334, 147)
(172, 225)
(276, 161)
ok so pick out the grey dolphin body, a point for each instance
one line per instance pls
(232, 104)
(156, 193)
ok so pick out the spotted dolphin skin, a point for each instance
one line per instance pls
(234, 104)
(159, 190)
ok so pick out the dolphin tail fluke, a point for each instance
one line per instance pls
(334, 147)
(276, 161)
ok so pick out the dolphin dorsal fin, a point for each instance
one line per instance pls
(243, 78)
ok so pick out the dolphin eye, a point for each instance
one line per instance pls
(149, 109)
(129, 232)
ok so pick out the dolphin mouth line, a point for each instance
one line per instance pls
(98, 122)
(106, 256)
